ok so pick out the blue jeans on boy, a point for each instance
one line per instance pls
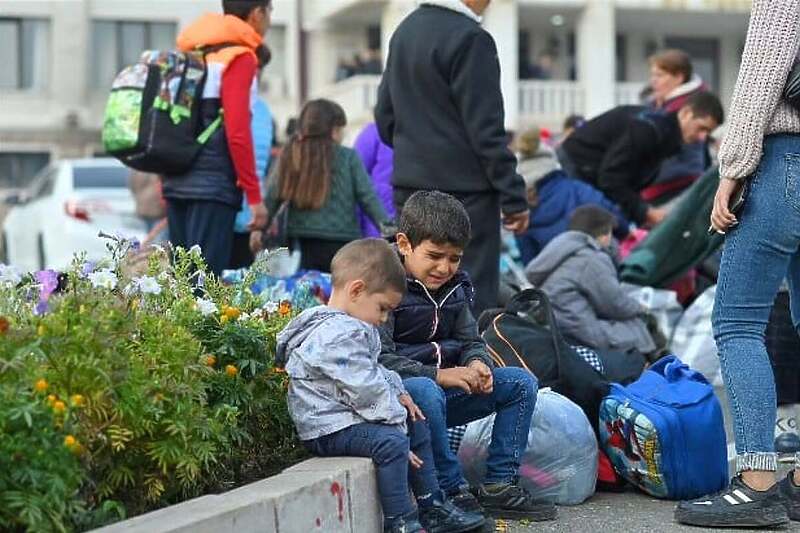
(513, 399)
(388, 448)
(762, 250)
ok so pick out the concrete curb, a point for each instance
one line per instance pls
(337, 495)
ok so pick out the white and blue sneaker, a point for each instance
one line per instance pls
(735, 506)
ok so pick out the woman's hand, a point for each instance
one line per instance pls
(721, 217)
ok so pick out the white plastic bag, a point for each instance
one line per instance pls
(693, 340)
(560, 464)
(660, 303)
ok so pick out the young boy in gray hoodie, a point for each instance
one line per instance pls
(344, 403)
(577, 273)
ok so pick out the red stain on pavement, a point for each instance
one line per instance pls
(338, 491)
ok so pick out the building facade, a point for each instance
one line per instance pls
(557, 57)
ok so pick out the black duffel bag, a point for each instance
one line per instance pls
(525, 335)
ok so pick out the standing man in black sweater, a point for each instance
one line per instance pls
(621, 151)
(440, 107)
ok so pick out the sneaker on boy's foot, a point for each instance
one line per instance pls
(445, 517)
(507, 500)
(405, 524)
(735, 506)
(791, 496)
(465, 500)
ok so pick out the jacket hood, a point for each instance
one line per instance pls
(555, 253)
(299, 329)
(213, 28)
(535, 168)
(453, 5)
(694, 84)
(555, 200)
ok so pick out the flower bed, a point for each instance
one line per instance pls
(124, 391)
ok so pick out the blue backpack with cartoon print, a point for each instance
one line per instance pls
(664, 433)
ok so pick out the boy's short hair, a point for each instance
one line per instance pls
(437, 217)
(372, 260)
(592, 220)
(242, 8)
(706, 104)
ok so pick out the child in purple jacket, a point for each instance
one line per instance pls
(377, 159)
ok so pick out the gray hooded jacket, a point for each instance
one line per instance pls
(335, 379)
(588, 301)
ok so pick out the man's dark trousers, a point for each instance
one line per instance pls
(482, 255)
(205, 223)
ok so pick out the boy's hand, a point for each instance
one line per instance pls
(415, 461)
(485, 375)
(413, 409)
(461, 377)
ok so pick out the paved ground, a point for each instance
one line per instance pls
(629, 512)
(618, 513)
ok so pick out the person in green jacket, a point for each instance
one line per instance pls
(323, 183)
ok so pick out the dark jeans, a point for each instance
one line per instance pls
(317, 254)
(513, 399)
(482, 254)
(241, 256)
(388, 448)
(206, 223)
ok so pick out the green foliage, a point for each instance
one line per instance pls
(125, 399)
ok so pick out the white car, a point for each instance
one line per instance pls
(69, 203)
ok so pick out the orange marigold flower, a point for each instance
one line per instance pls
(231, 370)
(41, 385)
(278, 370)
(69, 441)
(59, 406)
(4, 325)
(231, 312)
(210, 360)
(285, 308)
(77, 400)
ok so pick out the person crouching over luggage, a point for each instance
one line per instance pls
(431, 340)
(577, 273)
(344, 403)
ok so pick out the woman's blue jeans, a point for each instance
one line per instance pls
(762, 250)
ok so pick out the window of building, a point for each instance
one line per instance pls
(17, 169)
(118, 43)
(24, 53)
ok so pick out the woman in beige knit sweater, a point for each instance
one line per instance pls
(760, 152)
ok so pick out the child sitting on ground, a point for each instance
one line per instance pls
(344, 403)
(577, 273)
(431, 340)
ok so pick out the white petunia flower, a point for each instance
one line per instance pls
(206, 307)
(196, 250)
(148, 285)
(270, 307)
(10, 274)
(103, 279)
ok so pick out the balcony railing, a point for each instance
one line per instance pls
(546, 102)
(550, 101)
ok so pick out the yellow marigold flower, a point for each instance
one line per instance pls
(77, 400)
(40, 330)
(285, 308)
(231, 312)
(231, 370)
(223, 319)
(210, 360)
(41, 385)
(51, 399)
(59, 406)
(69, 441)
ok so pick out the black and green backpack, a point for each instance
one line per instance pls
(152, 120)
